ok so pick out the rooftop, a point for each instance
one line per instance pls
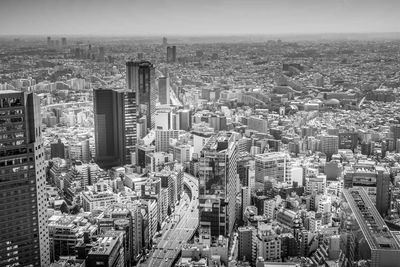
(371, 223)
(9, 92)
(104, 246)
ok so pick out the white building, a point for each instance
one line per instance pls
(98, 196)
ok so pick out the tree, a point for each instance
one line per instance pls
(75, 209)
(64, 208)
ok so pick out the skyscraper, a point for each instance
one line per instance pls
(185, 119)
(217, 184)
(63, 41)
(140, 79)
(395, 129)
(24, 237)
(163, 90)
(171, 54)
(115, 126)
(382, 191)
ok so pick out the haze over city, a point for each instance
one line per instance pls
(195, 17)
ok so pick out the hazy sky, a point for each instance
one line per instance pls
(197, 17)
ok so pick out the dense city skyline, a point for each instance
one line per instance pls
(177, 17)
(208, 133)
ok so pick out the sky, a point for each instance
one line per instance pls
(197, 17)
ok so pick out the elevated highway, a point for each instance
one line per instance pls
(181, 227)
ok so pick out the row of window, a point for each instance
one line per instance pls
(15, 161)
(11, 120)
(9, 128)
(12, 135)
(10, 102)
(16, 169)
(11, 112)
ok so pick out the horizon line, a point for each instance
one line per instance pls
(153, 35)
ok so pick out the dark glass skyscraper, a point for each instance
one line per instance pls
(24, 237)
(115, 126)
(217, 184)
(171, 54)
(140, 79)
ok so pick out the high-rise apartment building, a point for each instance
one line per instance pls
(115, 126)
(140, 80)
(274, 165)
(217, 184)
(24, 237)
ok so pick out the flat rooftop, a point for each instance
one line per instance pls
(370, 221)
(9, 92)
(104, 246)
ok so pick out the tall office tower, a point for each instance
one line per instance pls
(274, 165)
(163, 90)
(217, 183)
(383, 194)
(171, 54)
(115, 126)
(48, 40)
(63, 41)
(130, 125)
(395, 129)
(108, 125)
(365, 235)
(329, 144)
(140, 79)
(24, 237)
(185, 119)
(247, 249)
(164, 41)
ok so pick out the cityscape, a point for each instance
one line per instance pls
(192, 148)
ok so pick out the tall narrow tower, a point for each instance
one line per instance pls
(217, 184)
(140, 79)
(115, 126)
(24, 237)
